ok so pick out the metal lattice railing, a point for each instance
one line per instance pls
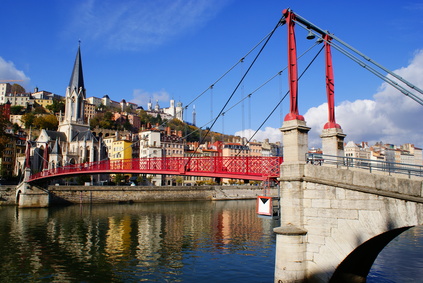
(366, 164)
(230, 167)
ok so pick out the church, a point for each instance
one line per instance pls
(73, 142)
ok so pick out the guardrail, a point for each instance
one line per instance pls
(366, 164)
(241, 167)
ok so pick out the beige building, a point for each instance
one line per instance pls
(235, 149)
(357, 151)
(404, 154)
(16, 119)
(89, 111)
(255, 148)
(43, 102)
(18, 99)
(172, 143)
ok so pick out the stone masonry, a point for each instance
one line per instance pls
(338, 210)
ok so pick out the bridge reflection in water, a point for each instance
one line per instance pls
(221, 241)
(161, 242)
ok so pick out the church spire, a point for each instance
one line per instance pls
(77, 78)
(74, 118)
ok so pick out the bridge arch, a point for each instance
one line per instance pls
(337, 214)
(356, 266)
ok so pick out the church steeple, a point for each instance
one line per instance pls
(74, 119)
(75, 93)
(77, 78)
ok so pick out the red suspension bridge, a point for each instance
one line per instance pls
(247, 168)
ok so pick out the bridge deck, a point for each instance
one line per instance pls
(251, 168)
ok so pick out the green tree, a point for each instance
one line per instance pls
(57, 106)
(16, 109)
(39, 110)
(48, 122)
(179, 180)
(80, 180)
(51, 122)
(28, 119)
(119, 178)
(144, 117)
(15, 127)
(103, 120)
(4, 138)
(107, 122)
(127, 125)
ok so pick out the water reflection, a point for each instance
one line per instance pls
(199, 241)
(401, 260)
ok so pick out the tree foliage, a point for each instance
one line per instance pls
(104, 120)
(16, 109)
(28, 119)
(47, 122)
(4, 138)
(39, 110)
(17, 88)
(57, 106)
(146, 118)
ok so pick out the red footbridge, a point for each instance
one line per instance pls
(247, 168)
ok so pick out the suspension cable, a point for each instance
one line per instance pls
(242, 79)
(277, 105)
(253, 92)
(236, 64)
(310, 26)
(227, 72)
(273, 77)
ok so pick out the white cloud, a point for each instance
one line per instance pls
(274, 135)
(390, 117)
(141, 97)
(134, 25)
(8, 71)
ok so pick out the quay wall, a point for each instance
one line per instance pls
(126, 194)
(7, 195)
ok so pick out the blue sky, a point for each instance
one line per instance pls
(163, 49)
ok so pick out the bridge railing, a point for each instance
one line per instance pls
(366, 164)
(201, 166)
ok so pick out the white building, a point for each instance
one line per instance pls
(4, 89)
(166, 113)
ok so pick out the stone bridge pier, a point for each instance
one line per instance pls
(28, 196)
(334, 222)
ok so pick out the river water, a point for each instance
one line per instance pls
(221, 241)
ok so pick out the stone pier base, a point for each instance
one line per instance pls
(290, 254)
(31, 196)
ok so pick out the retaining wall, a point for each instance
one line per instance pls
(126, 194)
(8, 195)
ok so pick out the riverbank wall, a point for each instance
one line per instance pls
(62, 195)
(8, 195)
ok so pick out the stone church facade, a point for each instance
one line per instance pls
(73, 142)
